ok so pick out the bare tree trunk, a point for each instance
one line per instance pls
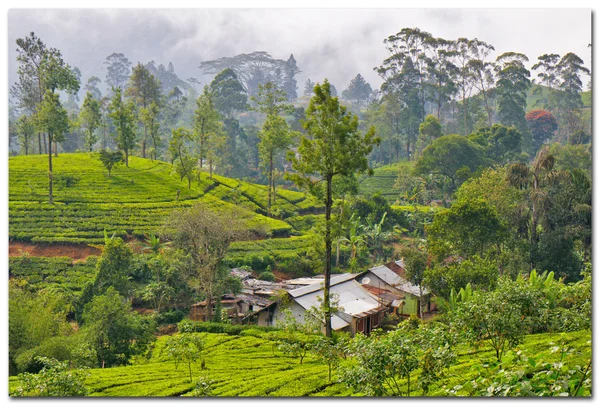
(50, 168)
(270, 183)
(40, 142)
(327, 287)
(126, 158)
(55, 149)
(46, 147)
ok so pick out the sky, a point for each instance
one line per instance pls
(327, 43)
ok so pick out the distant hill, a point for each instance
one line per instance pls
(132, 202)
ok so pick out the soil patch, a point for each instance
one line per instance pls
(75, 252)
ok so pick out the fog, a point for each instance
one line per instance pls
(332, 43)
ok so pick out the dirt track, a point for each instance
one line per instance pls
(75, 252)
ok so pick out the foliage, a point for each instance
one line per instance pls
(122, 115)
(54, 380)
(358, 91)
(454, 275)
(449, 156)
(467, 228)
(184, 348)
(114, 332)
(109, 158)
(542, 125)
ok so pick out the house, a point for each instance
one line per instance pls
(359, 310)
(390, 284)
(241, 308)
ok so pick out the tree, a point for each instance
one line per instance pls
(123, 119)
(253, 69)
(444, 279)
(289, 84)
(482, 72)
(55, 379)
(25, 131)
(333, 147)
(229, 96)
(416, 264)
(185, 348)
(542, 125)
(52, 118)
(40, 69)
(149, 118)
(449, 154)
(512, 85)
(570, 68)
(205, 235)
(115, 333)
(358, 91)
(90, 117)
(275, 137)
(208, 127)
(144, 90)
(114, 267)
(181, 154)
(466, 229)
(117, 70)
(92, 87)
(441, 73)
(501, 143)
(429, 130)
(309, 87)
(110, 159)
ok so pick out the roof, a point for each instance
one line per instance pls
(386, 297)
(394, 276)
(319, 283)
(353, 300)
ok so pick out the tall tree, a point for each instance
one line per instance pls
(570, 70)
(25, 128)
(208, 128)
(229, 95)
(358, 91)
(143, 89)
(181, 154)
(290, 84)
(117, 70)
(275, 137)
(90, 118)
(149, 118)
(52, 118)
(40, 69)
(122, 114)
(441, 73)
(333, 147)
(482, 72)
(92, 87)
(512, 85)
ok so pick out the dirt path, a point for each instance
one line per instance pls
(75, 252)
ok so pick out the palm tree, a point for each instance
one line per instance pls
(355, 238)
(534, 179)
(153, 243)
(376, 237)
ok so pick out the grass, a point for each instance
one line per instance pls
(248, 365)
(132, 202)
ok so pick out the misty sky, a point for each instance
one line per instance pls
(332, 43)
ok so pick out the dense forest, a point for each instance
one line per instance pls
(133, 196)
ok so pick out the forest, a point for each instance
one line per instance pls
(139, 196)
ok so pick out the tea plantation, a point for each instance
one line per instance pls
(383, 180)
(131, 202)
(250, 365)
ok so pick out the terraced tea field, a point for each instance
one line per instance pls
(249, 365)
(132, 202)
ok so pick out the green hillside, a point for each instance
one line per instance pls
(132, 202)
(383, 180)
(250, 365)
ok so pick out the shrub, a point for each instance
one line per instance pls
(169, 317)
(54, 380)
(266, 276)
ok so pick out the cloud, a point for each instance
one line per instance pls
(332, 43)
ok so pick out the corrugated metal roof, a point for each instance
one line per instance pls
(353, 300)
(392, 278)
(335, 279)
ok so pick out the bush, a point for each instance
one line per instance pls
(54, 380)
(169, 317)
(266, 276)
(187, 326)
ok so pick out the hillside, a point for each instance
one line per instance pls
(132, 202)
(250, 365)
(383, 180)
